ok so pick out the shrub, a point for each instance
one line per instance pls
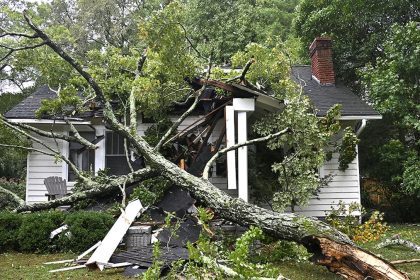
(86, 228)
(9, 229)
(34, 233)
(343, 220)
(372, 229)
(31, 232)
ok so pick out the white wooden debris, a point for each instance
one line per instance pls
(78, 257)
(57, 231)
(104, 252)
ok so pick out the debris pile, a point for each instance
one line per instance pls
(139, 237)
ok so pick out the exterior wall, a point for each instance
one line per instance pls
(39, 167)
(345, 186)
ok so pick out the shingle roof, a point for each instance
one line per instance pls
(324, 97)
(27, 108)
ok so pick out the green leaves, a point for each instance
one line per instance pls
(347, 148)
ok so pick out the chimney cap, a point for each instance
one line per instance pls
(323, 42)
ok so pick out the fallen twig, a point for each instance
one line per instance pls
(405, 261)
(399, 241)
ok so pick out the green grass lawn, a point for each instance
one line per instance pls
(30, 266)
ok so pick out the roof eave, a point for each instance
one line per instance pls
(360, 117)
(46, 121)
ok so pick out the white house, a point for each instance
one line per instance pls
(318, 82)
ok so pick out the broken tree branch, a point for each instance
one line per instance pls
(95, 190)
(232, 273)
(405, 261)
(237, 146)
(241, 77)
(132, 98)
(399, 241)
(14, 196)
(53, 153)
(108, 112)
(5, 33)
(187, 112)
(190, 96)
(78, 137)
(44, 133)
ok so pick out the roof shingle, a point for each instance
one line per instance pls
(27, 108)
(324, 97)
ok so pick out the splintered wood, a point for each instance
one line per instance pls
(105, 250)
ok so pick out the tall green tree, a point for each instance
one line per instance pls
(393, 85)
(358, 28)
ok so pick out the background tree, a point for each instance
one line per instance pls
(358, 29)
(393, 85)
(12, 161)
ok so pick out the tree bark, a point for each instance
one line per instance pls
(93, 191)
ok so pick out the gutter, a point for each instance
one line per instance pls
(362, 126)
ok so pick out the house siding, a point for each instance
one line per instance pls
(344, 186)
(39, 167)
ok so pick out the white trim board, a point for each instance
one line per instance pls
(352, 118)
(44, 121)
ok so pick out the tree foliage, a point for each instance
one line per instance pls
(393, 85)
(358, 28)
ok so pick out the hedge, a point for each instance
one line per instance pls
(31, 232)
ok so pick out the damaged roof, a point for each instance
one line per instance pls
(324, 97)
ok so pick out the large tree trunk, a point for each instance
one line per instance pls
(330, 247)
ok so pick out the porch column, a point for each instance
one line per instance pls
(242, 157)
(230, 141)
(243, 105)
(100, 151)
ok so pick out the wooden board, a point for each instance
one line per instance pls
(105, 250)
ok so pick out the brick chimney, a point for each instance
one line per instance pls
(322, 66)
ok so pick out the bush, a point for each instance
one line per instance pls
(9, 229)
(34, 233)
(31, 232)
(86, 228)
(343, 220)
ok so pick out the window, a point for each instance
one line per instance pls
(83, 158)
(115, 160)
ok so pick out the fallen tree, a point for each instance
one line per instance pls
(330, 247)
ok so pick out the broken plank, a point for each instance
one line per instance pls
(88, 250)
(58, 262)
(68, 268)
(104, 252)
(57, 231)
(116, 265)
